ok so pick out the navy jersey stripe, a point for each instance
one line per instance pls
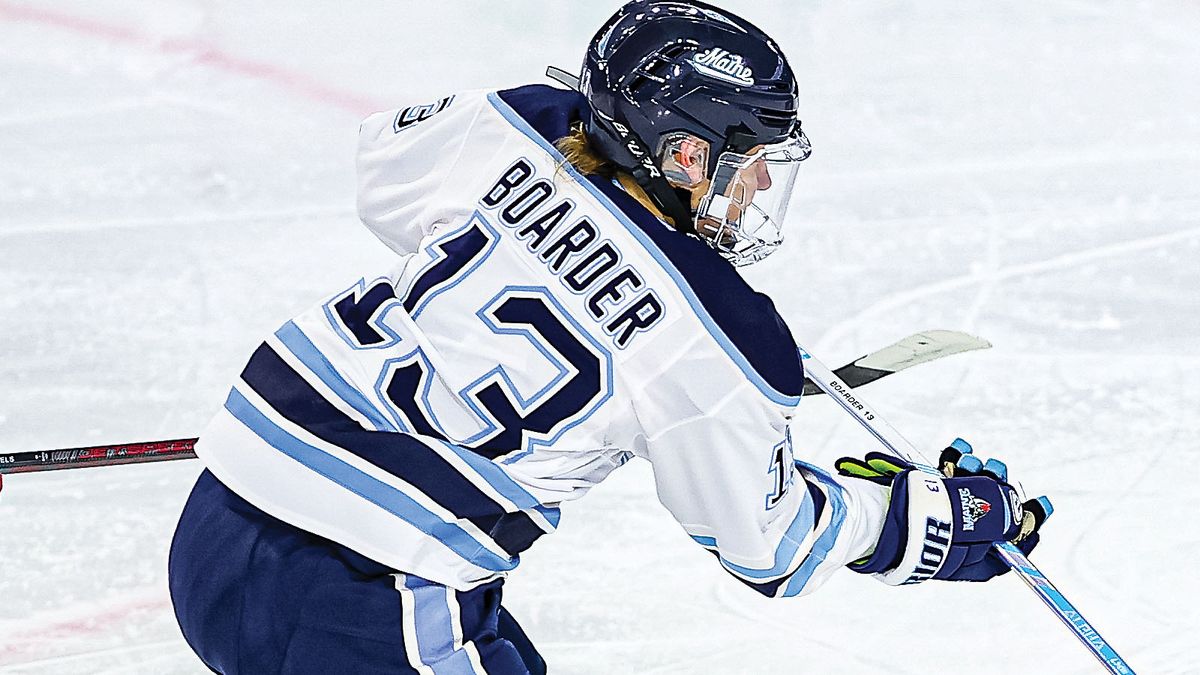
(397, 453)
(768, 588)
(818, 498)
(748, 319)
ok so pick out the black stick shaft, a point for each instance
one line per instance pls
(99, 455)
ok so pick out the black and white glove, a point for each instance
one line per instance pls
(943, 526)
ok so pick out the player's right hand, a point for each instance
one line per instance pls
(943, 527)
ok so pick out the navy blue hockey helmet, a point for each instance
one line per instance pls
(683, 93)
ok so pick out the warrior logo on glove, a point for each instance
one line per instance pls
(974, 508)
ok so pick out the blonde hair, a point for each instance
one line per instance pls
(577, 151)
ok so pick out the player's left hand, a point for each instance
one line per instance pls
(944, 527)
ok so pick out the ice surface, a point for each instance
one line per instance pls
(176, 178)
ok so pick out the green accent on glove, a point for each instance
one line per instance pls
(877, 468)
(885, 466)
(851, 466)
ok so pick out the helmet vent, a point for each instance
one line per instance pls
(654, 67)
(777, 119)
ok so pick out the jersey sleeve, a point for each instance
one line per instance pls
(408, 156)
(780, 526)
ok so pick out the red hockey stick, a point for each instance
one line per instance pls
(99, 455)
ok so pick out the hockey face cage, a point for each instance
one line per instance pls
(741, 213)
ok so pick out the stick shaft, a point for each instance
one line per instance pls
(98, 455)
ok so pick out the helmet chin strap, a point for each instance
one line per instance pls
(648, 175)
(666, 198)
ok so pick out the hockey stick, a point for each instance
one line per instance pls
(98, 455)
(849, 400)
(913, 350)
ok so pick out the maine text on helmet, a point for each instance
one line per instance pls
(723, 65)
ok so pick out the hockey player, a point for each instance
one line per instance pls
(565, 300)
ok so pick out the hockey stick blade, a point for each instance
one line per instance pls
(913, 350)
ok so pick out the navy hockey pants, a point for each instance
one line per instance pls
(255, 595)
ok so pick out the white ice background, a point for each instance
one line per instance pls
(176, 179)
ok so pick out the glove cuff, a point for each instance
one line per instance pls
(921, 505)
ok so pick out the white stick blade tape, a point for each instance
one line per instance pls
(922, 347)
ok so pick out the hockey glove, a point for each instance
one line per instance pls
(943, 527)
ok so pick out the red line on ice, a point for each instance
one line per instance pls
(35, 639)
(201, 52)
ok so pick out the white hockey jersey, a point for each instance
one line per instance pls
(541, 328)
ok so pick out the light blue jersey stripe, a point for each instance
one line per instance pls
(828, 538)
(368, 487)
(784, 553)
(298, 343)
(502, 482)
(726, 344)
(435, 632)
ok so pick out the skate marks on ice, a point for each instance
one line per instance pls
(899, 299)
